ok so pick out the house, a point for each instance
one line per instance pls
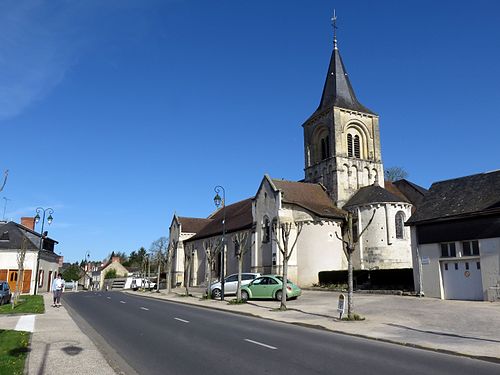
(15, 237)
(113, 263)
(456, 239)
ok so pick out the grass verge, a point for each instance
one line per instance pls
(25, 305)
(13, 351)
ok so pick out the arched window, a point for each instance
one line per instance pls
(266, 230)
(357, 150)
(350, 152)
(325, 148)
(400, 219)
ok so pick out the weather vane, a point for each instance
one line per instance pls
(334, 25)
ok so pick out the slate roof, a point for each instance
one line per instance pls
(238, 217)
(374, 194)
(459, 197)
(14, 234)
(338, 90)
(408, 190)
(193, 224)
(312, 197)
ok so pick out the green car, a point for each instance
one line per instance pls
(269, 286)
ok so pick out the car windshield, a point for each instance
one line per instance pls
(280, 278)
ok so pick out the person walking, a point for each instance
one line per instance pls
(57, 289)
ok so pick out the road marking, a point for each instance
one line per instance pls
(144, 308)
(182, 320)
(122, 302)
(26, 323)
(261, 344)
(108, 297)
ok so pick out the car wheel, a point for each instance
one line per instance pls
(279, 293)
(244, 295)
(216, 293)
(1, 301)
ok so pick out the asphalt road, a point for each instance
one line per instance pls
(161, 337)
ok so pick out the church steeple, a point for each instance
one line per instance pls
(342, 137)
(338, 90)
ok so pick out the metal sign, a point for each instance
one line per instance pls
(341, 305)
(425, 260)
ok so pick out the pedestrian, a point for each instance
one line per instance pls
(57, 289)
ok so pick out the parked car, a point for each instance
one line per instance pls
(231, 284)
(269, 287)
(5, 294)
(135, 283)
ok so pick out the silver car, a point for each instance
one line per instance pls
(231, 284)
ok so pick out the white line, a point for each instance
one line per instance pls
(26, 323)
(182, 320)
(144, 308)
(123, 302)
(108, 297)
(261, 344)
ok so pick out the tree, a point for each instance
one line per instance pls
(281, 236)
(159, 248)
(188, 256)
(73, 272)
(240, 241)
(21, 256)
(349, 247)
(111, 274)
(5, 175)
(212, 249)
(172, 245)
(395, 173)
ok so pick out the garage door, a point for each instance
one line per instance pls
(462, 279)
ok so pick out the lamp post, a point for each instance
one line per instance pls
(218, 201)
(44, 211)
(86, 269)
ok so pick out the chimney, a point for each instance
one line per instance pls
(115, 259)
(28, 222)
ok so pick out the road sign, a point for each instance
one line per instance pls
(341, 305)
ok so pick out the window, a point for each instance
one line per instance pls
(266, 230)
(448, 250)
(357, 150)
(349, 146)
(446, 266)
(466, 265)
(470, 248)
(478, 265)
(4, 236)
(456, 266)
(400, 218)
(325, 148)
(231, 278)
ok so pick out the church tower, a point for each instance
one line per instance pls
(342, 137)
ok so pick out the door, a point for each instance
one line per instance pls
(49, 284)
(462, 279)
(230, 284)
(26, 281)
(13, 274)
(260, 287)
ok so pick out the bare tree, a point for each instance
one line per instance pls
(5, 175)
(349, 247)
(212, 249)
(282, 233)
(159, 248)
(188, 257)
(172, 245)
(395, 173)
(241, 247)
(21, 256)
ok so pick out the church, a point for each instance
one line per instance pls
(343, 172)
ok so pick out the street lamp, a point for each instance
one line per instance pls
(86, 269)
(49, 220)
(218, 201)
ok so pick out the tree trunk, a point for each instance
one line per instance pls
(285, 283)
(350, 285)
(240, 269)
(169, 271)
(158, 276)
(209, 277)
(188, 278)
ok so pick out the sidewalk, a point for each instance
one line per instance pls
(58, 346)
(467, 328)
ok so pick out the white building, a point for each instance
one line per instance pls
(456, 239)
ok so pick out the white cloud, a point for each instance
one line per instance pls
(35, 52)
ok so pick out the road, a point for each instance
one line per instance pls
(161, 337)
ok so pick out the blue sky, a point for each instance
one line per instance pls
(119, 113)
